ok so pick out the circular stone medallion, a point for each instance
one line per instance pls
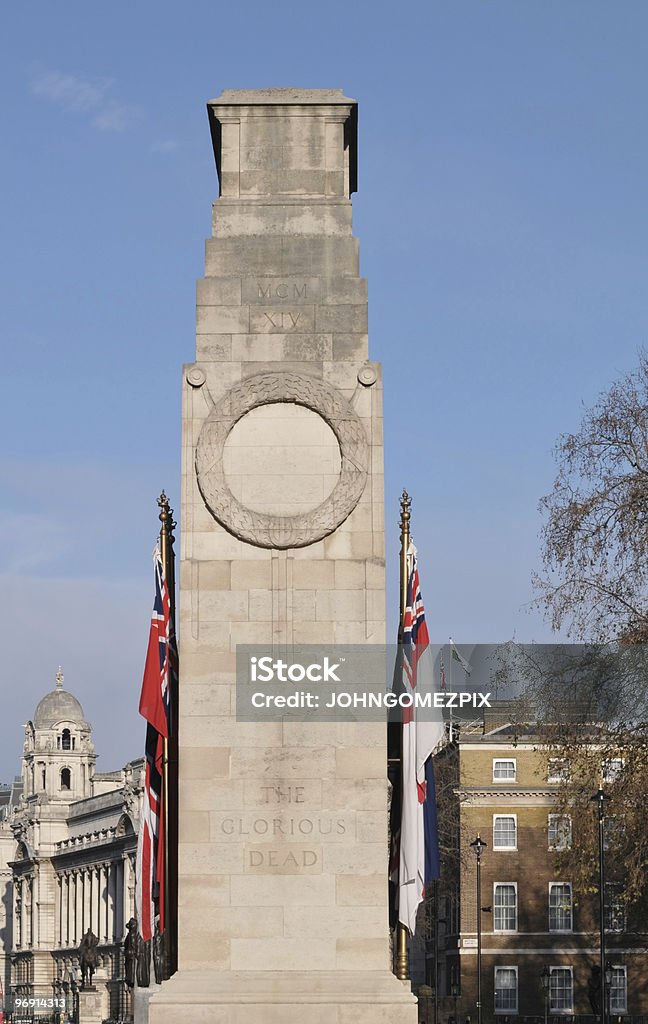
(269, 530)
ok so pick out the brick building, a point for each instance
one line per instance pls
(531, 919)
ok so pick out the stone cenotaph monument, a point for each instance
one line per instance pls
(283, 914)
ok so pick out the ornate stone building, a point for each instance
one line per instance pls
(68, 837)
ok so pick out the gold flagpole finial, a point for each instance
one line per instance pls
(166, 518)
(406, 512)
(165, 510)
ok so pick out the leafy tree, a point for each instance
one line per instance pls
(595, 538)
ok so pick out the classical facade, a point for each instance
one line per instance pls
(68, 837)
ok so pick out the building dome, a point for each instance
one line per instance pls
(59, 706)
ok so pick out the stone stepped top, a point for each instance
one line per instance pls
(241, 97)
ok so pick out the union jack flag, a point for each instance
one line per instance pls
(419, 849)
(149, 870)
(155, 697)
(159, 676)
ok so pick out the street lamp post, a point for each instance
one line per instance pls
(600, 797)
(545, 978)
(479, 846)
(454, 992)
(608, 989)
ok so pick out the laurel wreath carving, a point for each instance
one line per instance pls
(274, 531)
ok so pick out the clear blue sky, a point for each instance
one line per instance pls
(502, 220)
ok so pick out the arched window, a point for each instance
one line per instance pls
(66, 778)
(43, 776)
(66, 740)
(124, 826)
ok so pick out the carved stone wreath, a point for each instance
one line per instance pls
(275, 531)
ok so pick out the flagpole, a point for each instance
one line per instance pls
(169, 801)
(405, 516)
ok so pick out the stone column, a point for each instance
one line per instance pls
(92, 877)
(282, 543)
(94, 880)
(67, 909)
(98, 883)
(105, 896)
(20, 912)
(79, 893)
(86, 904)
(109, 902)
(59, 904)
(30, 912)
(119, 901)
(128, 891)
(117, 910)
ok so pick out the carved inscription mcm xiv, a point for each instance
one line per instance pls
(275, 531)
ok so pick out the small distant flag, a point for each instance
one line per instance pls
(419, 841)
(442, 675)
(466, 666)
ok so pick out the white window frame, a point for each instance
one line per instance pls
(505, 760)
(613, 830)
(613, 907)
(618, 1007)
(611, 769)
(508, 1010)
(564, 843)
(567, 1010)
(498, 846)
(555, 773)
(504, 931)
(563, 931)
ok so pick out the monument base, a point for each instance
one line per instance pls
(141, 999)
(93, 1005)
(284, 997)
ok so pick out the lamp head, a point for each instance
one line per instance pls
(478, 846)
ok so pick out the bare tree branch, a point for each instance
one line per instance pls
(595, 537)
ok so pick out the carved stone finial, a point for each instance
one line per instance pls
(59, 678)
